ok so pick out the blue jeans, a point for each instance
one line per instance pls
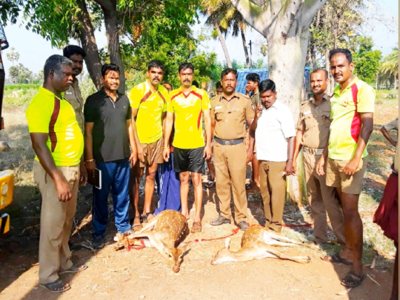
(169, 185)
(115, 178)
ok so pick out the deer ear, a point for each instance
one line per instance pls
(227, 243)
(185, 252)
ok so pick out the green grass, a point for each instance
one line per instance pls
(19, 94)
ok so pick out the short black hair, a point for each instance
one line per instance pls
(55, 62)
(218, 85)
(73, 49)
(320, 70)
(227, 71)
(346, 52)
(253, 77)
(266, 85)
(109, 67)
(184, 66)
(155, 63)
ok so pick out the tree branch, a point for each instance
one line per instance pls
(251, 13)
(310, 8)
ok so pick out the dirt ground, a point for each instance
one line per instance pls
(145, 274)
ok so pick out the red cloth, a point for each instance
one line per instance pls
(387, 214)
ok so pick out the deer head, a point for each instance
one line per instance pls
(223, 255)
(175, 256)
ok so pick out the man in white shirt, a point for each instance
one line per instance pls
(274, 132)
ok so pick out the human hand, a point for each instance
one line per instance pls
(133, 158)
(83, 175)
(207, 152)
(289, 168)
(320, 168)
(64, 193)
(351, 167)
(166, 153)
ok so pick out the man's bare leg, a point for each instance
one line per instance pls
(184, 178)
(353, 230)
(149, 188)
(134, 193)
(198, 195)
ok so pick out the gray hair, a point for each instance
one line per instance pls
(55, 63)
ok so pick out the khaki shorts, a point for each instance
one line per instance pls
(153, 153)
(349, 184)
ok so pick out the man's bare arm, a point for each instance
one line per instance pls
(367, 124)
(297, 147)
(388, 136)
(132, 144)
(169, 122)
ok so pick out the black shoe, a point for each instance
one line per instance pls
(243, 225)
(219, 221)
(98, 242)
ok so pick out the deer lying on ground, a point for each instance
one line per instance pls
(258, 243)
(165, 232)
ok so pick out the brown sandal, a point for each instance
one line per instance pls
(196, 227)
(137, 227)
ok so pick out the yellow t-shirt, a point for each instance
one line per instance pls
(346, 122)
(151, 107)
(67, 146)
(188, 110)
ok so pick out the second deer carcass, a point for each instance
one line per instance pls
(165, 232)
(258, 243)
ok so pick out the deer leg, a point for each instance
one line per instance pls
(153, 240)
(278, 240)
(298, 259)
(149, 226)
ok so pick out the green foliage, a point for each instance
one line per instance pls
(87, 87)
(21, 74)
(366, 60)
(13, 56)
(19, 94)
(390, 63)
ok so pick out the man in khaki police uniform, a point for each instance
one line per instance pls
(229, 112)
(73, 94)
(312, 134)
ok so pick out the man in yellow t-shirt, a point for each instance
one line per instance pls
(189, 105)
(149, 102)
(58, 143)
(352, 108)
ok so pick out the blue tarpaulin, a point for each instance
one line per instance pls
(263, 73)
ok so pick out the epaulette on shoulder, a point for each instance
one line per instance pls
(305, 102)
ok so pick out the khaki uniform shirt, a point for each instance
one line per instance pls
(74, 97)
(314, 121)
(231, 116)
(255, 99)
(394, 125)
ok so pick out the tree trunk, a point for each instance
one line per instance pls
(109, 8)
(286, 28)
(88, 40)
(222, 40)
(246, 51)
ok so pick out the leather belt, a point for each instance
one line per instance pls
(228, 142)
(313, 151)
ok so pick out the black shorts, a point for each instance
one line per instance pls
(191, 160)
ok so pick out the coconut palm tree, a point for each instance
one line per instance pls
(390, 65)
(223, 17)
